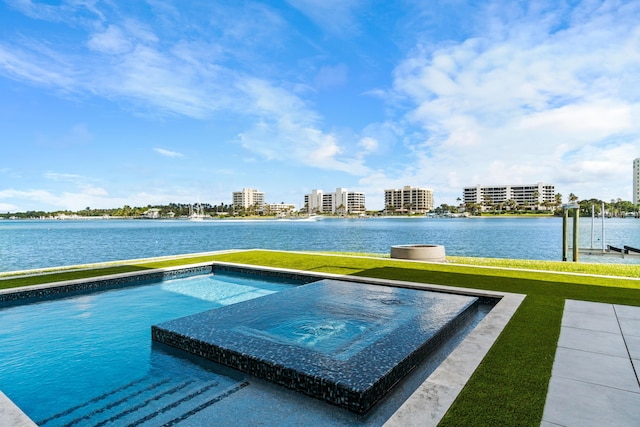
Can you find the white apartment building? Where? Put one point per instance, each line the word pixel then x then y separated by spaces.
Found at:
pixel 314 201
pixel 525 196
pixel 340 202
pixel 636 181
pixel 408 200
pixel 355 202
pixel 248 197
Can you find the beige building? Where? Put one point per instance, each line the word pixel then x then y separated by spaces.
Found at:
pixel 408 200
pixel 531 197
pixel 248 197
pixel 341 202
pixel 279 208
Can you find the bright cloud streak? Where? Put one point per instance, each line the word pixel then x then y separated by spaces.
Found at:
pixel 167 153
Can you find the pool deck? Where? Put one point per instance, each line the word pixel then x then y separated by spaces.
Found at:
pixel 594 381
pixel 11 415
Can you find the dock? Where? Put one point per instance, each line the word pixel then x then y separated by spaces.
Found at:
pixel 612 251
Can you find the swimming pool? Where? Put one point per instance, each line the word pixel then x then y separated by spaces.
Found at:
pixel 88 359
pixel 57 353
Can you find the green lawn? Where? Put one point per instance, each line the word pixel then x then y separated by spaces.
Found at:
pixel 509 387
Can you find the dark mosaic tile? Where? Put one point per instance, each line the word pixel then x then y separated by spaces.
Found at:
pixel 343 342
pixel 266 274
pixel 21 296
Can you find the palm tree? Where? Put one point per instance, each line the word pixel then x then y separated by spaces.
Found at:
pixel 536 197
pixel 558 200
pixel 487 201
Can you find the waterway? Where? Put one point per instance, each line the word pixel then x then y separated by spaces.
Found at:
pixel 29 244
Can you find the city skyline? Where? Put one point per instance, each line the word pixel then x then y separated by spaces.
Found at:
pixel 106 104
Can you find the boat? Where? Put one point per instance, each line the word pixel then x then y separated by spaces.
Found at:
pixel 197 213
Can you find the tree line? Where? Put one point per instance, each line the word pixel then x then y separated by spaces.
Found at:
pixel 613 208
pixel 171 210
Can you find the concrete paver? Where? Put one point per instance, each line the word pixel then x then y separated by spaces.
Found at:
pixel 592 322
pixel 577 403
pixel 595 368
pixel 593 341
pixel 594 380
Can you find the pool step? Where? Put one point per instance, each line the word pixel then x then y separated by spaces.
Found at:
pixel 133 387
pixel 148 401
pixel 189 405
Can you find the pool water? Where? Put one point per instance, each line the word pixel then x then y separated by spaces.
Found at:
pixel 88 359
pixel 58 354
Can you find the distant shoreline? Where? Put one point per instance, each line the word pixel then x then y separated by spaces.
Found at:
pixel 262 218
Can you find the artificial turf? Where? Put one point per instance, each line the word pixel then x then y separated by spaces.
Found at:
pixel 510 385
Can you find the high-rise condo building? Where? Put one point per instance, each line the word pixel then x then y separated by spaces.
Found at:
pixel 534 196
pixel 636 181
pixel 340 202
pixel 247 198
pixel 408 200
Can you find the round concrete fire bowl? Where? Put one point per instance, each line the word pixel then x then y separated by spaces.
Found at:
pixel 432 253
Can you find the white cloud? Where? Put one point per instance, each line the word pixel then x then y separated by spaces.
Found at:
pixel 524 92
pixel 523 103
pixel 37 65
pixel 368 144
pixel 85 196
pixel 289 131
pixel 110 41
pixel 127 62
pixel 293 142
pixel 67 11
pixel 30 198
pixel 64 177
pixel 167 153
pixel 7 207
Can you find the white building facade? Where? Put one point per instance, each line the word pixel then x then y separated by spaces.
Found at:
pixel 636 181
pixel 247 198
pixel 534 196
pixel 408 200
pixel 355 202
pixel 314 201
pixel 340 202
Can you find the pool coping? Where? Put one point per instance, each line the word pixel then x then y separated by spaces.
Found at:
pixel 426 405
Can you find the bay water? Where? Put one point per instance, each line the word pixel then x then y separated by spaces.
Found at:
pixel 30 244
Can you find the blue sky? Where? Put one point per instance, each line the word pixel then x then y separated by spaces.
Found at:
pixel 107 103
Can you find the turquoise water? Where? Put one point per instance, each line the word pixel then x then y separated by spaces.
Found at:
pixel 38 244
pixel 56 354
